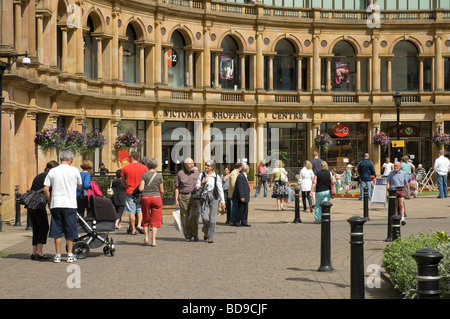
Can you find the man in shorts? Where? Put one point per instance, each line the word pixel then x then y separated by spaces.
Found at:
pixel 131 178
pixel 63 181
pixel 398 179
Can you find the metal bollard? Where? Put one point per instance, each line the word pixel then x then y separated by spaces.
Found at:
pixel 396 219
pixel 427 277
pixel 391 212
pixel 29 223
pixel 366 203
pixel 356 257
pixel 325 242
pixel 297 206
pixel 17 217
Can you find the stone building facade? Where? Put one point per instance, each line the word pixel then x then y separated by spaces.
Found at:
pixel 153 66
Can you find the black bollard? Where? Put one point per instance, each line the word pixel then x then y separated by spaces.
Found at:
pixel 396 219
pixel 356 257
pixel 17 218
pixel 366 203
pixel 29 223
pixel 427 277
pixel 325 242
pixel 391 212
pixel 297 206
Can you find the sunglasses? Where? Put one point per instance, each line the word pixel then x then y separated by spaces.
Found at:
pixel 207 165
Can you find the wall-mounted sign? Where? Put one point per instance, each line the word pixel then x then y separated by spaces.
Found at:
pixel 181 114
pixel 405 130
pixel 398 143
pixel 172 58
pixel 341 130
pixel 287 116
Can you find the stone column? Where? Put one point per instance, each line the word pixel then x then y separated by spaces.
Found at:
pixel 157 141
pixel 438 70
pixel 270 73
pixel 40 37
pixel 259 61
pixel 116 53
pixel 64 52
pixel 18 26
pixel 99 58
pixel 166 66
pixel 358 75
pixel 141 64
pixel 216 70
pixel 207 57
pixel 375 64
pixel 328 74
pixel 299 74
pixel 420 74
pixel 316 63
pixel 242 72
pixel 389 74
pixel 120 61
pixel 191 68
pixel 157 48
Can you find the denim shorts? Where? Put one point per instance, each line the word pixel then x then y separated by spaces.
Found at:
pixel 64 220
pixel 130 206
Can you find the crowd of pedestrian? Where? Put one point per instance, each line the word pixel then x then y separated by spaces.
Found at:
pixel 204 194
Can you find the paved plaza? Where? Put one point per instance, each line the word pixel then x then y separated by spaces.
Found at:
pixel 273 259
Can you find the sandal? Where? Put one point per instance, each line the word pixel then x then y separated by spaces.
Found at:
pixel 140 230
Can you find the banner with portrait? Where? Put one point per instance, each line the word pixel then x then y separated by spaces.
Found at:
pixel 342 72
pixel 226 67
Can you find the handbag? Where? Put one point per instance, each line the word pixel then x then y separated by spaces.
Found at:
pixel 333 186
pixel 84 191
pixel 201 193
pixel 283 176
pixel 38 201
pixel 110 191
pixel 26 198
pixel 137 195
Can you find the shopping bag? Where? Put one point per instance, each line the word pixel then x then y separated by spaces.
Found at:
pixel 177 221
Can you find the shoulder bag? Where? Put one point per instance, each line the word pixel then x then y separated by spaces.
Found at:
pixel 137 195
pixel 110 191
pixel 201 193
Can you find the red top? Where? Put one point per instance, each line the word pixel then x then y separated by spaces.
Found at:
pixel 132 173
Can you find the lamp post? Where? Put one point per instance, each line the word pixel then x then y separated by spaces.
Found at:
pixel 398 103
pixel 7 66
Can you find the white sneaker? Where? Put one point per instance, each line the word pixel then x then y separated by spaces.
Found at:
pixel 403 221
pixel 71 258
pixel 57 259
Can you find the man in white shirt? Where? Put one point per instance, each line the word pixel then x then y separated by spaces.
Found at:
pixel 63 182
pixel 387 166
pixel 441 167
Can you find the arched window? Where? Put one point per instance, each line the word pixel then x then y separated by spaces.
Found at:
pixel 130 58
pixel 90 52
pixel 177 62
pixel 284 67
pixel 343 68
pixel 405 67
pixel 229 66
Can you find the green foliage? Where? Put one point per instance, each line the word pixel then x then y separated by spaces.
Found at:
pixel 398 262
pixel 251 174
pixel 103 182
pixel 169 185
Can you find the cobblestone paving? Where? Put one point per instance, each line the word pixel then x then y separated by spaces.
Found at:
pixel 273 259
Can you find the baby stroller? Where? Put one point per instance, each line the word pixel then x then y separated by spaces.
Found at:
pixel 96 228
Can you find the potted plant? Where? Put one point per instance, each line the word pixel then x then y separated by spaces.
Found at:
pixel 380 139
pixel 323 141
pixel 59 139
pixel 94 140
pixel 251 177
pixel 441 139
pixel 126 140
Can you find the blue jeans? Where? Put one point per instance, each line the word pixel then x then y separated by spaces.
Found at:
pixel 258 188
pixel 234 208
pixel 442 185
pixel 324 196
pixel 369 186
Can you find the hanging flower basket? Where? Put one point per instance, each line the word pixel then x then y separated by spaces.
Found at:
pixel 441 139
pixel 323 141
pixel 380 139
pixel 126 140
pixel 59 139
pixel 48 139
pixel 94 140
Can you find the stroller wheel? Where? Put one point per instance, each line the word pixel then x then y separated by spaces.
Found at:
pixel 81 249
pixel 109 248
